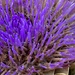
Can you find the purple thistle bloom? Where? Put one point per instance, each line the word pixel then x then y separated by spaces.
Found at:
pixel 36 35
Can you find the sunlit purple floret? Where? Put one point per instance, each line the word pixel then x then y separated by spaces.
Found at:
pixel 36 35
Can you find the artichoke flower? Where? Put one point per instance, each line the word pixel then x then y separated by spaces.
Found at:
pixel 36 36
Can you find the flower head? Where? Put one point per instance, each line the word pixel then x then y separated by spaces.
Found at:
pixel 36 35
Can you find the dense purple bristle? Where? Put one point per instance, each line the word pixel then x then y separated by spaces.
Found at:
pixel 36 35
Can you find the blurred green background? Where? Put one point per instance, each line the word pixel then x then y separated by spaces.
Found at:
pixel 72 72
